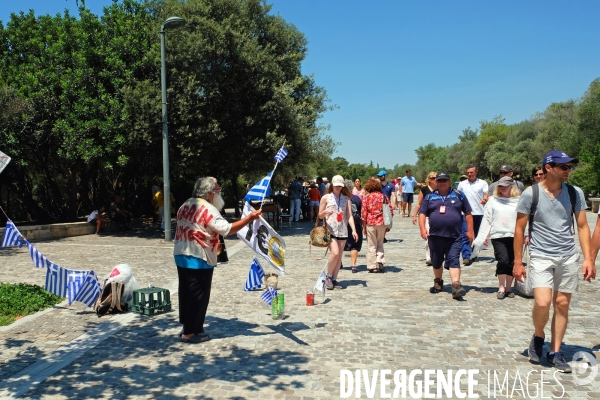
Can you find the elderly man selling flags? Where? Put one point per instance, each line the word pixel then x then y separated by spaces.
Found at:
pixel 199 224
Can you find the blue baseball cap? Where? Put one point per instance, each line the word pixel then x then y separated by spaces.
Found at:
pixel 382 172
pixel 557 157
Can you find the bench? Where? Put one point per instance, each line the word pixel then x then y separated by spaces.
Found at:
pixel 595 204
pixel 269 210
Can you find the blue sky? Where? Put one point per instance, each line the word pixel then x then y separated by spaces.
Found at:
pixel 408 73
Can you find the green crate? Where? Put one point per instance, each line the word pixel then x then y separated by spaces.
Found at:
pixel 150 301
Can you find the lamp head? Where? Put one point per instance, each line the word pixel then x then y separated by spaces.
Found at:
pixel 173 23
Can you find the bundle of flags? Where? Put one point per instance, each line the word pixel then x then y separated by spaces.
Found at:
pixel 82 286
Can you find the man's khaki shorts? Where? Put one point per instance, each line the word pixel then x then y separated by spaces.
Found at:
pixel 557 273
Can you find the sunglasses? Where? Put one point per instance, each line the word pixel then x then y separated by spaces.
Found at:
pixel 539 174
pixel 431 177
pixel 565 167
pixel 503 173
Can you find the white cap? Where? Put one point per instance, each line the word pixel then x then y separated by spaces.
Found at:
pixel 337 181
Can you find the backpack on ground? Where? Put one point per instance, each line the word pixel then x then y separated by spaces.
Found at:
pixel 536 197
pixel 110 300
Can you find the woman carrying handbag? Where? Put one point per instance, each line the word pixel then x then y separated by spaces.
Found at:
pixel 336 210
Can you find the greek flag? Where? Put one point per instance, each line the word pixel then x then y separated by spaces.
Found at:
pixel 268 295
pixel 90 290
pixel 56 280
pixel 4 160
pixel 38 258
pixel 255 276
pixel 320 285
pixel 261 190
pixel 281 154
pixel 12 236
pixel 75 281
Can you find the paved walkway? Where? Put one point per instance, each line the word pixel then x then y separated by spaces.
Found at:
pixel 376 321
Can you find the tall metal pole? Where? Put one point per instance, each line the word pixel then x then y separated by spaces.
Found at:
pixel 165 135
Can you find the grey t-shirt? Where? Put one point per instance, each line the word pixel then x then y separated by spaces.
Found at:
pixel 551 234
pixel 493 185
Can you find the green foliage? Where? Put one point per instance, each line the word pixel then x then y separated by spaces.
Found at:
pixel 18 300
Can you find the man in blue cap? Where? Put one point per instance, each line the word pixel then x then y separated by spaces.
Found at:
pixel 388 189
pixel 553 256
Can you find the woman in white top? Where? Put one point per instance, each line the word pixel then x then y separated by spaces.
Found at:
pixel 336 209
pixel 501 214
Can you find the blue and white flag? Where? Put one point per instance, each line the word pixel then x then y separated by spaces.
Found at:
pixel 268 295
pixel 75 281
pixel 281 154
pixel 255 276
pixel 56 280
pixel 261 190
pixel 38 258
pixel 4 160
pixel 12 236
pixel 90 290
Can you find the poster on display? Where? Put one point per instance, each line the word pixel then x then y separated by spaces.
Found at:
pixel 263 239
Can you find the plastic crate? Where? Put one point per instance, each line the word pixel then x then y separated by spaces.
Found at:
pixel 150 301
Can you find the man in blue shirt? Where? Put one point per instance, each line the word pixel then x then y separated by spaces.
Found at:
pixel 444 207
pixel 408 190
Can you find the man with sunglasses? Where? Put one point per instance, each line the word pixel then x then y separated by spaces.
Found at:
pixel 505 170
pixel 553 254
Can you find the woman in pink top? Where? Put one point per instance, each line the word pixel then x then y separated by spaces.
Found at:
pixel 357 190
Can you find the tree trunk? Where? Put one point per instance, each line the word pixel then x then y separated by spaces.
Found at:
pixel 234 189
pixel 73 193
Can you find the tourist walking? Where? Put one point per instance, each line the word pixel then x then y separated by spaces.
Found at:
pixel 500 217
pixel 357 189
pixel 373 202
pixel 408 183
pixel 476 192
pixel 199 224
pixel 314 197
pixel 537 175
pixel 553 255
pixel 354 246
pixel 295 192
pixel 430 186
pixel 505 170
pixel 336 209
pixel 444 207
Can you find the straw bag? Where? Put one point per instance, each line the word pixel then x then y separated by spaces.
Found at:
pixel 319 237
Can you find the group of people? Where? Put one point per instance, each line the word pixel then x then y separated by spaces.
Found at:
pixel 508 216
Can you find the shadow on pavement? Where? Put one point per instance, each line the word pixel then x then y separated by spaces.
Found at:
pixel 146 359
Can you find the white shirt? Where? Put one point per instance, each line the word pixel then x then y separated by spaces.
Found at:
pixel 474 192
pixel 93 216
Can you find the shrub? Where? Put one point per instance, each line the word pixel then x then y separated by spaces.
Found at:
pixel 20 299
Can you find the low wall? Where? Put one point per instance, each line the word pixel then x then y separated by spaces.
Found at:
pixel 36 232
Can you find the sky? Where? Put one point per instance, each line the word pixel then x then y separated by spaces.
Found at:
pixel 403 74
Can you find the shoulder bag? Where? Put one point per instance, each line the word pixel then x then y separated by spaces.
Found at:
pixel 387 213
pixel 319 237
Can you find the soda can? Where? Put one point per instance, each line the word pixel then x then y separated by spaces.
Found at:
pixel 310 298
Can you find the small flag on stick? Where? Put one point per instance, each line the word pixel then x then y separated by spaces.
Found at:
pixel 269 295
pixel 255 276
pixel 281 154
pixel 261 190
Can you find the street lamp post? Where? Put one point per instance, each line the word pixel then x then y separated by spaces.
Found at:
pixel 171 23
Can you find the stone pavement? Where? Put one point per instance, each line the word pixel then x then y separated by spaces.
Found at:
pixel 376 321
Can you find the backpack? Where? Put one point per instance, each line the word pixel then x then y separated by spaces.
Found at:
pixel 110 299
pixel 536 197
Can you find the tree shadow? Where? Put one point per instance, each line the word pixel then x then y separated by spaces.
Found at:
pixel 146 359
